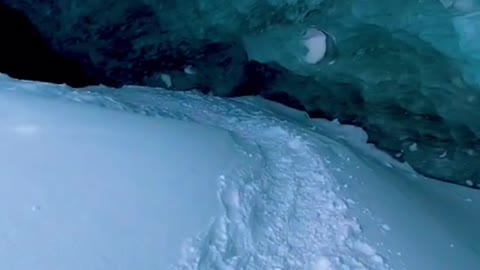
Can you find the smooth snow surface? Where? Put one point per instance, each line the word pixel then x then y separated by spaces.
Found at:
pixel 86 188
pixel 233 183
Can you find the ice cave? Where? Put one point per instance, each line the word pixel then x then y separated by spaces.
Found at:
pixel 240 135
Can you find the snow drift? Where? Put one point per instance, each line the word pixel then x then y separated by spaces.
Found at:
pixel 144 178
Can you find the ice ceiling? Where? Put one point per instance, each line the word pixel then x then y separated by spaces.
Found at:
pixel 406 71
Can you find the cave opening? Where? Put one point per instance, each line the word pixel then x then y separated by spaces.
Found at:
pixel 24 54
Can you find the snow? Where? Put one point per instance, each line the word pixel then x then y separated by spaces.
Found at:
pixel 97 179
pixel 386 227
pixel 323 264
pixel 85 188
pixel 427 216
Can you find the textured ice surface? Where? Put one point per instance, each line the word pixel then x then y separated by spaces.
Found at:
pixel 299 194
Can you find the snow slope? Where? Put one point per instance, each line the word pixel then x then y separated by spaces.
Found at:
pixel 87 188
pixel 255 186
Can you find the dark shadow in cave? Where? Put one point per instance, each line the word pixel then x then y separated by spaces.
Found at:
pixel 25 55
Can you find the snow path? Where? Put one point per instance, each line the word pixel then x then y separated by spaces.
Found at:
pixel 285 210
pixel 281 209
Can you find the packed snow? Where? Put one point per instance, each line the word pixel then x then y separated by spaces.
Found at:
pixel 143 178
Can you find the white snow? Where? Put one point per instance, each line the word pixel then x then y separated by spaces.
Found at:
pixel 365 248
pixel 323 263
pixel 160 177
pixel 316 43
pixel 386 227
pixel 87 188
pixel 427 215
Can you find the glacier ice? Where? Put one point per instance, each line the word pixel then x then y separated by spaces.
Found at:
pixel 93 173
